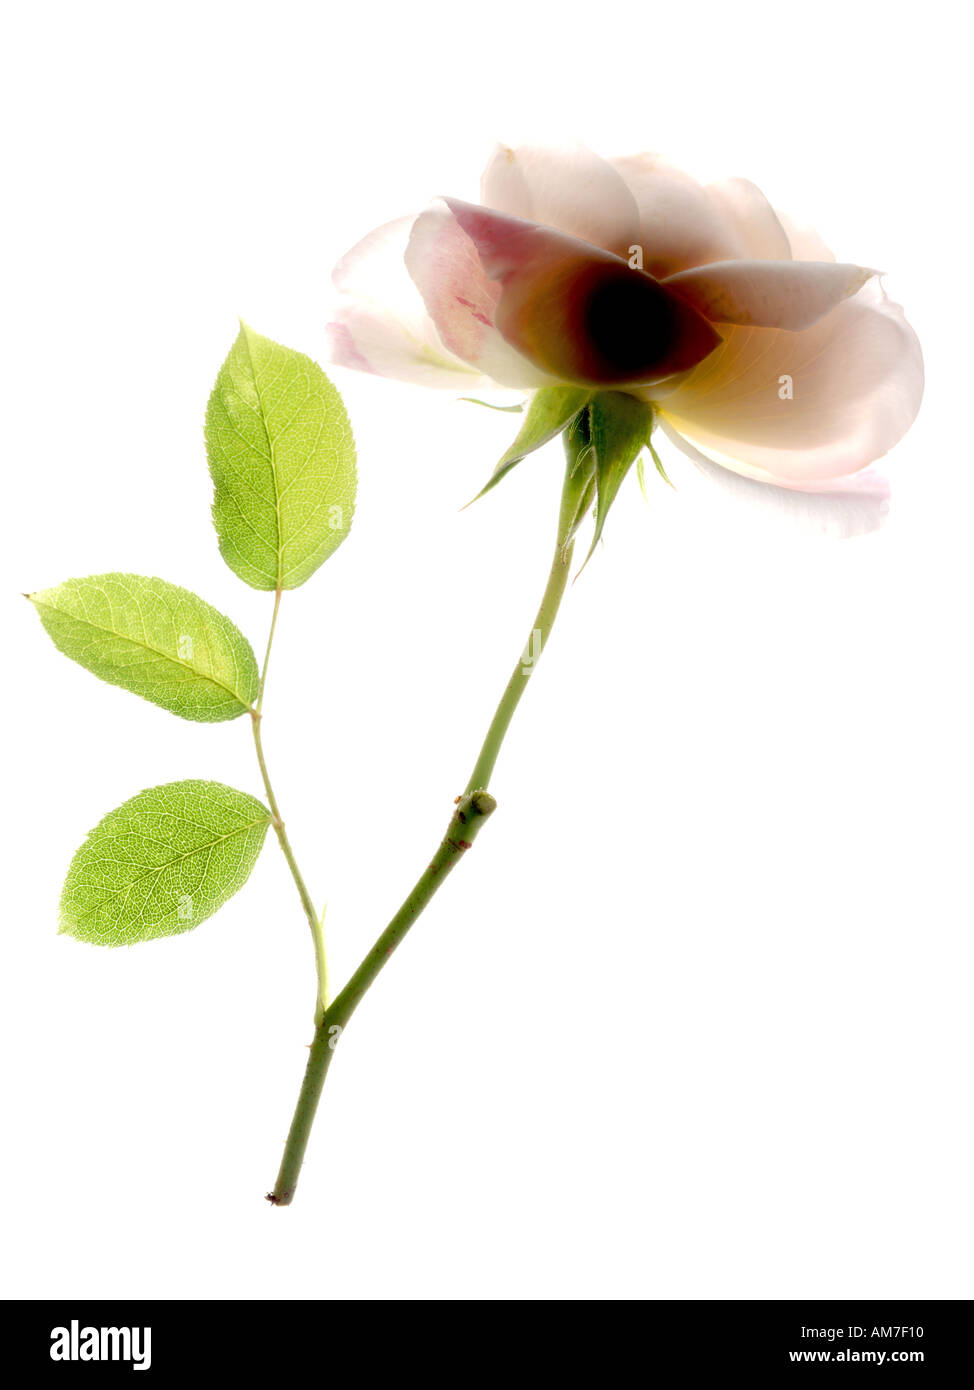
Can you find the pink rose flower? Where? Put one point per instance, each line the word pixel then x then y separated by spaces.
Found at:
pixel 781 372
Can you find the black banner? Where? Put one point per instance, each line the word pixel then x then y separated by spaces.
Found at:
pixel 56 1342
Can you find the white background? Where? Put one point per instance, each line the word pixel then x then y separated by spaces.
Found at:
pixel 693 1020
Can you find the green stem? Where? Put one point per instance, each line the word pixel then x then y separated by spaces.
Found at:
pixel 535 645
pixel 469 816
pixel 317 932
pixel 472 809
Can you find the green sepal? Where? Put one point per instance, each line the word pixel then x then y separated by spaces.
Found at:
pixel 658 464
pixel 579 492
pixel 641 470
pixel 641 477
pixel 551 410
pixel 490 405
pixel 619 427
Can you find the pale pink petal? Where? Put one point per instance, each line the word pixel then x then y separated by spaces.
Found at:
pixel 366 339
pixel 855 381
pixel 805 242
pixel 578 312
pixel 507 246
pixel 461 300
pixel 768 294
pixel 379 322
pixel 753 220
pixel 681 225
pixel 570 189
pixel 373 268
pixel 842 508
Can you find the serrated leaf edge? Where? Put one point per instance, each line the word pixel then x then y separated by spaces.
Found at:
pixel 64 929
pixel 146 646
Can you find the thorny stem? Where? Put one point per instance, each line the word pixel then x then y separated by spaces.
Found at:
pixel 314 921
pixel 472 809
pixel 535 645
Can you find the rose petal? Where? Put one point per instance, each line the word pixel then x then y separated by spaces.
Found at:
pixel 753 220
pixel 681 225
pixel 768 294
pixel 856 379
pixel 805 242
pixel 848 507
pixel 577 312
pixel 380 324
pixel 570 189
pixel 461 299
pixel 373 268
pixel 366 340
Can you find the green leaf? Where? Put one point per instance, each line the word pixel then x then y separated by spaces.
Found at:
pixel 155 639
pixel 620 425
pixel 551 410
pixel 162 863
pixel 282 459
